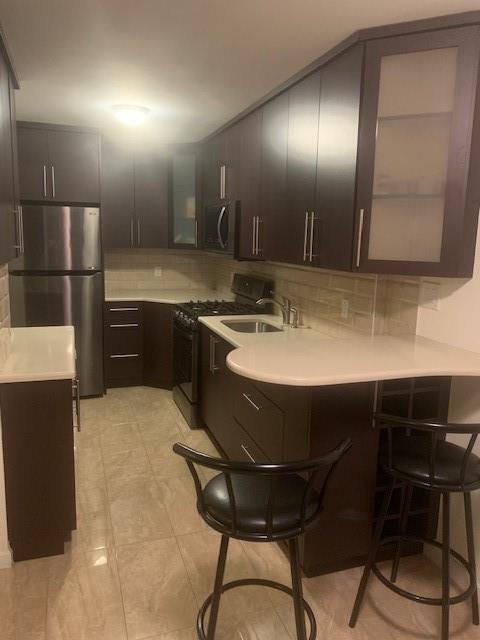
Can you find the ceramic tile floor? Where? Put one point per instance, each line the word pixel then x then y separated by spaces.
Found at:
pixel 142 560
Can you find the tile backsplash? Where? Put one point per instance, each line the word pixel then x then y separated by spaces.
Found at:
pixel 338 303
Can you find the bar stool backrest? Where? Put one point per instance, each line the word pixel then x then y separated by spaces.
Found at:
pixel 433 431
pixel 316 472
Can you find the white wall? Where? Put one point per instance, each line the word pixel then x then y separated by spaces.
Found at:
pixel 456 321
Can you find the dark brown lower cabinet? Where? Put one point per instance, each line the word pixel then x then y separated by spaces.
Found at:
pixel 37 431
pixel 138 344
pixel 266 422
pixel 158 345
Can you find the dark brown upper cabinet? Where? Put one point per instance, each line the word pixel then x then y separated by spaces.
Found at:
pixel 58 164
pixel 10 220
pixel 330 227
pixel 291 228
pixel 273 185
pixel 250 230
pixel 134 198
pixel 418 189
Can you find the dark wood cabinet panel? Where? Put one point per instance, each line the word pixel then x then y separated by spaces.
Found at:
pixel 333 219
pixel 250 230
pixel 58 165
pixel 273 186
pixel 37 430
pixel 158 345
pixel 117 199
pixel 415 154
pixel 123 343
pixel 304 101
pixel 33 163
pixel 74 166
pixel 7 177
pixel 151 201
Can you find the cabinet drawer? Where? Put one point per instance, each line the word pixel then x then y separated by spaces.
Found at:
pixel 260 418
pixel 121 313
pixel 123 367
pixel 123 338
pixel 238 445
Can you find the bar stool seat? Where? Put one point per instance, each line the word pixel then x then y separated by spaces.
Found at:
pixel 418 455
pixel 251 502
pixel 261 503
pixel 411 458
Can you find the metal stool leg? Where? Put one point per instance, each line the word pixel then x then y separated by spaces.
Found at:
pixel 297 589
pixel 445 566
pixel 471 552
pixel 217 590
pixel 406 502
pixel 372 554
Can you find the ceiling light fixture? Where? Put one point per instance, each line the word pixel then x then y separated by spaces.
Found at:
pixel 130 113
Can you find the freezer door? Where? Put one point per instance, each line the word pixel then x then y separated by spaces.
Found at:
pixel 39 300
pixel 58 238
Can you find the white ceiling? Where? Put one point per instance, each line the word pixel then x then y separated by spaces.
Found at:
pixel 194 63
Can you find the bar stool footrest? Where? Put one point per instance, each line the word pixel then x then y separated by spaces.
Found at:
pixel 202 635
pixel 414 596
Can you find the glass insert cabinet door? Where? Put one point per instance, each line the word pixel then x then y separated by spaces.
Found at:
pixel 183 200
pixel 415 138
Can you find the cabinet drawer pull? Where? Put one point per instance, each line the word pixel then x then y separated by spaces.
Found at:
pixel 121 326
pixel 123 309
pixel 44 181
pixel 312 231
pixel 247 452
pixel 360 234
pixel 258 250
pixel 125 355
pixel 249 399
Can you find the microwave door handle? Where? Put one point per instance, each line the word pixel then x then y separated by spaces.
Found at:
pixel 219 224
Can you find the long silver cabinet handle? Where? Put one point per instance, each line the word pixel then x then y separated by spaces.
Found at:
pixel 253 234
pixel 113 309
pixel 305 237
pixel 247 452
pixel 76 389
pixel 254 404
pixel 44 181
pixel 19 229
pixel 359 239
pixel 53 180
pixel 213 366
pixel 258 250
pixel 138 232
pixel 22 238
pixel 119 326
pixel 125 355
pixel 312 221
pixel 222 181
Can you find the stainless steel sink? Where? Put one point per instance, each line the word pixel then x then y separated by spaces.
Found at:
pixel 250 326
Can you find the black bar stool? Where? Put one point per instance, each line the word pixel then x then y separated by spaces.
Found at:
pixel 417 455
pixel 261 503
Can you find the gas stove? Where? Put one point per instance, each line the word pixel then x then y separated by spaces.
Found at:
pixel 187 313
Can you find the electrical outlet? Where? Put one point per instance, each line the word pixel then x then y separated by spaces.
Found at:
pixel 157 272
pixel 344 309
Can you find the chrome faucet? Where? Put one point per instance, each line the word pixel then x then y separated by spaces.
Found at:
pixel 285 308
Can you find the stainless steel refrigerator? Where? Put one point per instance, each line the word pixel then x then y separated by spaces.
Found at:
pixel 59 281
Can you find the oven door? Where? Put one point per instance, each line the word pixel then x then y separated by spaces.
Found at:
pixel 219 227
pixel 185 359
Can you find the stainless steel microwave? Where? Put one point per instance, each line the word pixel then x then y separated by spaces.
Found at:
pixel 219 220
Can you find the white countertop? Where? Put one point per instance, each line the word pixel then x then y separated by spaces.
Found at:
pixel 303 357
pixel 32 354
pixel 165 296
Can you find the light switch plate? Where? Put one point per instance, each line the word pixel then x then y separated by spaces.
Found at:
pixel 344 309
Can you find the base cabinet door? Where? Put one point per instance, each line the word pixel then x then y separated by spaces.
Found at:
pixel 158 345
pixel 37 432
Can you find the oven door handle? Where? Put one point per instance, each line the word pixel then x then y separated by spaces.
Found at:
pixel 219 224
